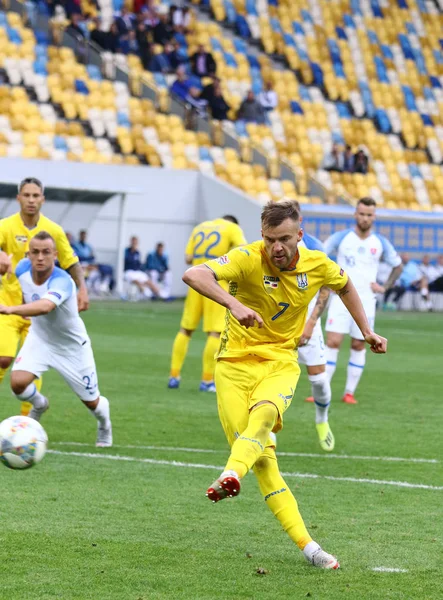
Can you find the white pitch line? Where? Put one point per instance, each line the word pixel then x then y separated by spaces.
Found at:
pixel 293 454
pixel 174 463
pixel 389 570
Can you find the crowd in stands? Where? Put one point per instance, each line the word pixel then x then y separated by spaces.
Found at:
pixel 423 277
pixel 344 160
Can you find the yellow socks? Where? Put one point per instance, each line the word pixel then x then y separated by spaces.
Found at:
pixel 2 374
pixel 251 444
pixel 280 499
pixel 179 351
pixel 211 348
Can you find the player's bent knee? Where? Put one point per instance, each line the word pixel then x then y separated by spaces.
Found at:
pixel 5 362
pixel 268 414
pixel 20 381
pixel 187 332
pixel 316 370
pixel 91 404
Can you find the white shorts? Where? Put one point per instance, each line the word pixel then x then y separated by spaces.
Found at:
pixel 78 370
pixel 136 276
pixel 340 320
pixel 313 353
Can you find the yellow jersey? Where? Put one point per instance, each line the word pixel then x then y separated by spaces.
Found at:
pixel 212 239
pixel 14 239
pixel 281 297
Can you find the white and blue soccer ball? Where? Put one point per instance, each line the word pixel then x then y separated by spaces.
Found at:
pixel 23 442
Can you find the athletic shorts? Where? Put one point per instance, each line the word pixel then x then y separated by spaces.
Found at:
pixel 135 276
pixel 241 384
pixel 199 307
pixel 313 353
pixel 340 320
pixel 78 370
pixel 13 332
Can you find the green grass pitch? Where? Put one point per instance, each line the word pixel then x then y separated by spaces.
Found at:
pixel 138 526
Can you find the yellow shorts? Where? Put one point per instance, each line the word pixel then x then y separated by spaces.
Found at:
pixel 196 307
pixel 13 332
pixel 241 384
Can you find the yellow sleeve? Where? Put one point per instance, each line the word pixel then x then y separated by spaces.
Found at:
pixel 189 250
pixel 66 255
pixel 2 238
pixel 233 266
pixel 238 237
pixel 335 277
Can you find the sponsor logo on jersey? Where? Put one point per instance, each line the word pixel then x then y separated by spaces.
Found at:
pixel 223 260
pixel 35 297
pixel 361 250
pixel 56 294
pixel 270 282
pixel 21 238
pixel 302 280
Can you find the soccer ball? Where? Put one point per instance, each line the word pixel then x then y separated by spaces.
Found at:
pixel 22 442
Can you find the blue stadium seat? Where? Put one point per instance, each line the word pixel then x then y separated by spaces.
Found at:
pixel 427 120
pixel 240 46
pixel 382 121
pixel 317 71
pixel 94 72
pixel 343 111
pixel 348 20
pixel 341 33
pixel 251 8
pixel 204 153
pixel 81 87
pixel 409 98
pixel 376 9
pixel 60 143
pixel 40 66
pixel 216 45
pixel 240 128
pixel 257 86
pixel 253 61
pixel 356 8
pixel 231 13
pixel 3 20
pixel 296 108
pixel 414 170
pixel 123 119
pixel 41 37
pixel 289 40
pixel 230 60
pixel 304 93
pixel 14 36
pixel 307 17
pixel 387 52
pixel 298 28
pixel 382 72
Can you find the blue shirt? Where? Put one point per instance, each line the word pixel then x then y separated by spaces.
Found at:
pixel 132 260
pixel 157 262
pixel 84 252
pixel 410 273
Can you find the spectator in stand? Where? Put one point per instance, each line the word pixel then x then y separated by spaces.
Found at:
pixel 180 19
pixel 348 160
pixel 129 44
pixel 157 266
pixel 217 104
pixel 149 13
pixel 99 277
pixel 161 63
pixel 193 98
pixel 268 98
pixel 74 28
pixel 437 284
pixel 334 160
pixel 208 90
pixel 126 21
pixel 176 58
pixel 181 85
pixel 134 273
pixel 361 162
pixel 410 278
pixel 163 32
pixel 250 110
pixel 202 62
pixel 145 47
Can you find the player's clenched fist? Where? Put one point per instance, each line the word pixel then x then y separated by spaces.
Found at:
pixel 378 344
pixel 5 263
pixel 246 316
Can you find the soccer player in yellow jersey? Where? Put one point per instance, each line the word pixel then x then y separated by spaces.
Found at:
pixel 210 239
pixel 15 233
pixel 271 283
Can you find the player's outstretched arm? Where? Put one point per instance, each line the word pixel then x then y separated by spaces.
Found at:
pixel 203 281
pixel 76 272
pixel 33 309
pixel 319 308
pixel 350 298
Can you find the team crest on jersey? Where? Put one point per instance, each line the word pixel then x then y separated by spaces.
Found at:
pixel 270 282
pixel 21 238
pixel 223 260
pixel 35 297
pixel 302 280
pixel 373 251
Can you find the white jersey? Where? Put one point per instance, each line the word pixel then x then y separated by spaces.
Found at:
pixel 311 243
pixel 62 329
pixel 361 257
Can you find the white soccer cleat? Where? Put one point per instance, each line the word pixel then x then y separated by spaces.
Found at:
pixel 323 560
pixel 36 413
pixel 104 436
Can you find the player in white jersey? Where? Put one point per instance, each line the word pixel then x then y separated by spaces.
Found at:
pixel 311 353
pixel 359 251
pixel 57 338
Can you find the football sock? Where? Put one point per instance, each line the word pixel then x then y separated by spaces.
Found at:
pixel 26 407
pixel 331 361
pixel 280 499
pixel 32 395
pixel 321 390
pixel 211 347
pixel 251 443
pixel 179 351
pixel 2 374
pixel 356 365
pixel 102 412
